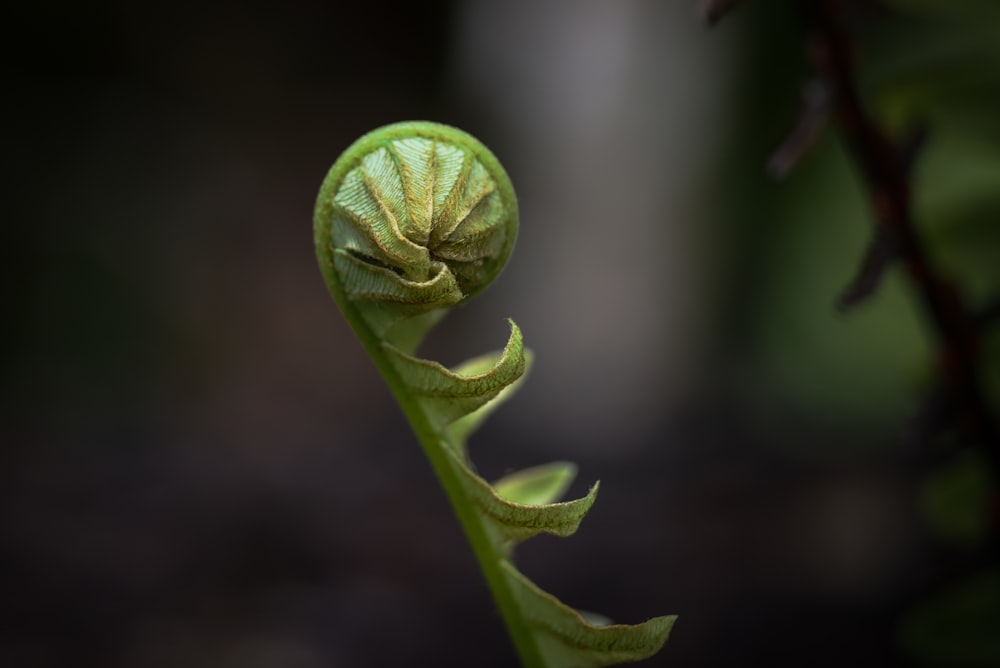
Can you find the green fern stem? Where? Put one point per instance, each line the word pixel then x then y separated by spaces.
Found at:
pixel 413 219
pixel 472 524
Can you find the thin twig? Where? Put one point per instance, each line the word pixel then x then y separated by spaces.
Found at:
pixel 817 99
pixel 880 254
pixel 884 166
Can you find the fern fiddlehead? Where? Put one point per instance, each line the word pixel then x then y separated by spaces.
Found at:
pixel 412 219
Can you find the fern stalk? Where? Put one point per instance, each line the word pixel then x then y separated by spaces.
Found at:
pixel 413 219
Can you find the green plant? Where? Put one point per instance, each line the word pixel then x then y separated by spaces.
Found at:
pixel 412 219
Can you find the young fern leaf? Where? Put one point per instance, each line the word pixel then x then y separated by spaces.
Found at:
pixel 412 219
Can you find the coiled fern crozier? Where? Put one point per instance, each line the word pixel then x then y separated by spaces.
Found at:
pixel 413 219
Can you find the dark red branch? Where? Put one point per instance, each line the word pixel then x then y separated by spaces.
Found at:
pixel 884 167
pixel 880 254
pixel 816 101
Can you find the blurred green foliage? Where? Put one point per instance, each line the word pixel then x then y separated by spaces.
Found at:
pixel 925 64
pixel 958 628
pixel 956 501
pixel 861 366
pixel 925 67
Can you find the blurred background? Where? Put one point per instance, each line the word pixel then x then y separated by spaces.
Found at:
pixel 201 468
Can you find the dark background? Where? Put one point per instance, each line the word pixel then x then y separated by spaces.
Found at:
pixel 201 468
